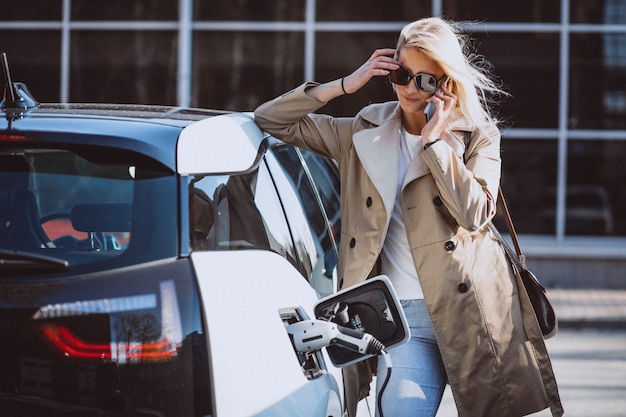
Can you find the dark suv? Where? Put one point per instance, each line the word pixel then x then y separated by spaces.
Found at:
pixel 150 258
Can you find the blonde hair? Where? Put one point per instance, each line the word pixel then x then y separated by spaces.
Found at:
pixel 447 45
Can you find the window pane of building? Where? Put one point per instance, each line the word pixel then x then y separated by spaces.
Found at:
pixel 240 70
pixel 598 81
pixel 338 54
pixel 40 67
pixel 259 10
pixel 529 168
pixel 31 10
pixel 372 10
pixel 125 10
pixel 124 67
pixel 527 64
pixel 596 197
pixel 598 11
pixel 502 10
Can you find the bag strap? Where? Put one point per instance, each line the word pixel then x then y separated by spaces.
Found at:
pixel 516 257
pixel 521 258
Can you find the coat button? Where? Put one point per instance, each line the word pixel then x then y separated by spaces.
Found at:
pixel 449 245
pixel 463 287
pixel 437 201
pixel 352 242
pixel 368 202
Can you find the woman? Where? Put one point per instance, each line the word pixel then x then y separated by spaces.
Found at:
pixel 416 201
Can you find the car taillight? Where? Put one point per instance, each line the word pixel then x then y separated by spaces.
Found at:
pixel 131 323
pixel 72 346
pixel 8 137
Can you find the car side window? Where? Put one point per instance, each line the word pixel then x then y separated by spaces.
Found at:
pixel 234 212
pixel 322 256
pixel 273 208
pixel 326 180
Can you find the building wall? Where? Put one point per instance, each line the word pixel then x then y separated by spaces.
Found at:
pixel 564 63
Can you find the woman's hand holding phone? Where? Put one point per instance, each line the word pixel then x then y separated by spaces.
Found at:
pixel 436 122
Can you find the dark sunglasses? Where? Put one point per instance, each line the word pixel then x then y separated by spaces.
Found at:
pixel 427 83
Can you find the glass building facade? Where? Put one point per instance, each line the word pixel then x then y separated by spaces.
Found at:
pixel 564 63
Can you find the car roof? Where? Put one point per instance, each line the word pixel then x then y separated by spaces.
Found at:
pixel 186 140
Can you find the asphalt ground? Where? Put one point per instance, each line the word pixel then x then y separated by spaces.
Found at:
pixel 591 321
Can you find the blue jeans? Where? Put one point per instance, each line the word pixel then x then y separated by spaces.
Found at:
pixel 418 378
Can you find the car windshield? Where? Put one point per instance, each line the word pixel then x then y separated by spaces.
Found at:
pixel 83 208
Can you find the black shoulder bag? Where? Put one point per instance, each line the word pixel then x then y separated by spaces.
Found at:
pixel 536 292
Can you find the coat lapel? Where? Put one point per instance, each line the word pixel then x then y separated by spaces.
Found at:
pixel 378 150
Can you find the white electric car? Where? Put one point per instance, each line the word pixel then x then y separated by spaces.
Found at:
pixel 161 261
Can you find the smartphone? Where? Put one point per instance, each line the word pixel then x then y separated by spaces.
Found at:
pixel 429 111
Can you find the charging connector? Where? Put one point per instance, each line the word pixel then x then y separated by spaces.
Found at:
pixel 310 335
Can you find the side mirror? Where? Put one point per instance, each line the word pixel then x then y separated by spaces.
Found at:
pixel 371 307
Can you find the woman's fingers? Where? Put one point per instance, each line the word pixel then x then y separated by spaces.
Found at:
pixel 444 102
pixel 382 61
pixel 385 52
pixel 379 64
pixel 447 98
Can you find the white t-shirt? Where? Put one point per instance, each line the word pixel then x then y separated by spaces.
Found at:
pixel 397 262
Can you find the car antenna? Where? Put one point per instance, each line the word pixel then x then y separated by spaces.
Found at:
pixel 19 98
pixel 7 79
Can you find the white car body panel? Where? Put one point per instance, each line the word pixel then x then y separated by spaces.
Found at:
pixel 202 148
pixel 253 371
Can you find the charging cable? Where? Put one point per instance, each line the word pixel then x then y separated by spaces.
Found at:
pixel 379 399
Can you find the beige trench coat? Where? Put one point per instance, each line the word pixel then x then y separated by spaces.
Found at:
pixel 492 348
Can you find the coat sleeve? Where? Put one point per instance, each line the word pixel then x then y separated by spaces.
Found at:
pixel 468 189
pixel 290 118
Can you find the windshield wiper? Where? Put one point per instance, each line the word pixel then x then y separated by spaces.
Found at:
pixel 28 261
